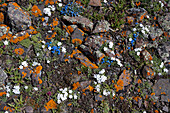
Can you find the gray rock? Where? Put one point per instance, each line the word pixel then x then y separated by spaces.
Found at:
pixel 43 110
pixel 84 23
pixel 155 32
pixel 101 26
pixel 3 76
pixel 164 22
pixel 126 77
pixel 99 97
pixel 164 51
pixel 162 88
pixel 29 109
pixel 165 108
pixel 148 73
pixel 19 18
pixel 4 29
pixel 77 36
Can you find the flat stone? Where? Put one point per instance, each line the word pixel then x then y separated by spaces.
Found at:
pixel 19 18
pixel 99 56
pixel 161 87
pixel 165 108
pixel 95 3
pixel 77 36
pixel 29 109
pixel 84 22
pixel 164 51
pixel 101 26
pixel 130 20
pixel 148 72
pixel 155 32
pixel 125 76
pixel 99 97
pixel 164 22
pixel 3 77
pixel 145 55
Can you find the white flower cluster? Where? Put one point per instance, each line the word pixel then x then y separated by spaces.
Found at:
pixel 161 3
pixel 117 60
pixel 138 50
pixel 162 65
pixel 16 90
pixel 110 45
pixel 144 29
pixel 7 90
pixel 100 77
pixel 64 94
pixel 35 63
pixel 23 64
pixel 105 92
pixel 48 10
pixel 5 42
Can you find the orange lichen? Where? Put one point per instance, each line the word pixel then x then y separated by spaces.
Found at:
pixel 152 94
pixel 66 60
pixel 38 69
pixel 123 33
pixel 90 88
pixel 136 98
pixel 79 72
pixel 39 80
pixel 19 51
pixel 43 19
pixel 76 85
pixel 55 22
pixel 156 111
pixel 154 18
pixel 92 110
pixel 77 40
pixel 51 105
pixel 2 93
pixel 139 81
pixel 163 93
pixel 24 74
pixel 36 11
pixel 142 16
pixel 52 36
pixel 121 98
pixel 51 2
pixel 1 17
pixel 119 85
pixel 137 4
pixel 33 30
pixel 70 29
pixel 69 104
pixel 8 108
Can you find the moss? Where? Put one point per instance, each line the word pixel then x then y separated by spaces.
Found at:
pixel 26 43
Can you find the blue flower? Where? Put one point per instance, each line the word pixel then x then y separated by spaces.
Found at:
pixel 128 47
pixel 136 23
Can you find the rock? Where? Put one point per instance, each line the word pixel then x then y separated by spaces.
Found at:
pixel 164 22
pixel 148 72
pixel 26 73
pixel 130 20
pixel 43 110
pixel 165 108
pixel 155 32
pixel 19 18
pixel 3 77
pixel 99 97
pixel 4 31
pixel 125 76
pixel 95 3
pixel 77 36
pixel 101 26
pixel 145 55
pixel 84 23
pixel 29 109
pixel 164 51
pixel 99 56
pixel 162 88
pixel 139 42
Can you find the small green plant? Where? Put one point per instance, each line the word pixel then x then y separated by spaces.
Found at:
pixel 26 43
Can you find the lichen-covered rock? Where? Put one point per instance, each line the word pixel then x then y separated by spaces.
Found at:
pixel 77 36
pixel 95 3
pixel 99 97
pixel 19 18
pixel 145 55
pixel 125 76
pixel 29 109
pixel 101 26
pixel 4 32
pixel 164 22
pixel 155 32
pixel 164 51
pixel 148 73
pixel 84 23
pixel 3 77
pixel 162 88
pixel 1 18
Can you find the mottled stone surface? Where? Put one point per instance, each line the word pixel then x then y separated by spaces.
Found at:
pixel 95 3
pixel 164 22
pixel 19 18
pixel 3 76
pixel 161 87
pixel 29 109
pixel 145 55
pixel 155 32
pixel 148 72
pixel 84 22
pixel 125 76
pixel 77 36
pixel 101 26
pixel 99 97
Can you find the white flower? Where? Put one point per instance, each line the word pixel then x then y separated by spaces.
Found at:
pixel 16 90
pixel 65 94
pixel 58 101
pixel 143 31
pixel 130 39
pixel 61 89
pixel 105 1
pixel 60 4
pixel 113 93
pixel 70 96
pixel 147 30
pixel 24 63
pixel 35 88
pixel 162 4
pixel 165 70
pixel 138 53
pixel 110 44
pixel 47 11
pixel 26 87
pixel 75 96
pixel 59 44
pixel 38 54
pixel 105 48
pixel 48 61
pixel 102 71
pixel 134 29
pixel 8 88
pixel 7 94
pixel 63 50
pixel 141 25
pixel 35 63
pixel 135 72
pixel 103 78
pixel 106 93
pixel 70 91
pixel 21 67
pixel 6 42
pixel 144 112
pixel 113 58
pixel 49 48
pixel 43 46
pixel 6 112
pixel 97 87
pixel 162 64
pixel 147 16
pixel 43 42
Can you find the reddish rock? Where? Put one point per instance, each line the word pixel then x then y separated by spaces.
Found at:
pixel 95 3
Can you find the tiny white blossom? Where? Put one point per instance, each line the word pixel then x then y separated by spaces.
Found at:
pixel 63 50
pixel 21 67
pixel 35 88
pixel 38 54
pixel 103 78
pixel 143 31
pixel 110 44
pixel 16 90
pixel 6 42
pixel 35 63
pixel 49 48
pixel 165 70
pixel 134 29
pixel 70 96
pixel 6 112
pixel 58 101
pixel 147 30
pixel 59 44
pixel 47 11
pixel 43 42
pixel 130 39
pixel 26 87
pixel 59 1
pixel 102 71
pixel 138 53
pixel 144 112
pixel 113 58
pixel 70 91
pixel 75 96
pixel 60 4
pixel 162 4
pixel 65 94
pixel 24 63
pixel 61 89
pixel 162 64
pixel 7 94
pixel 48 61
pixel 97 87
pixel 141 25
pixel 105 1
pixel 147 16
pixel 43 46
pixel 105 48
